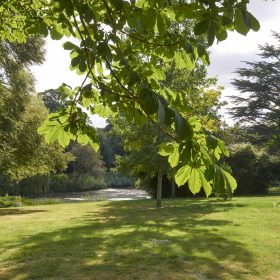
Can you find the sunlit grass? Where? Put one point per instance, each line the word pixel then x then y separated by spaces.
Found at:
pixel 187 239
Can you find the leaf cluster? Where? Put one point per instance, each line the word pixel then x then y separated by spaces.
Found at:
pixel 121 48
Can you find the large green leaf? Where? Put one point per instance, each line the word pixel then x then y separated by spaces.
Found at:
pixel 173 158
pixel 221 33
pixel 182 175
pixel 69 46
pixel 222 147
pixel 205 184
pixel 158 74
pixel 219 181
pixel 231 182
pixel 149 101
pixel 166 149
pixel 201 27
pixel 179 61
pixel 56 33
pixel 194 181
pixel 63 138
pixel 241 25
pixel 182 128
pixel 255 25
pixel 211 34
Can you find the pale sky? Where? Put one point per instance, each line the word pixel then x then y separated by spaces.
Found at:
pixel 225 57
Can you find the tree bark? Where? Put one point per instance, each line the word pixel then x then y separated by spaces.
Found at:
pixel 46 184
pixel 77 177
pixel 159 189
pixel 173 186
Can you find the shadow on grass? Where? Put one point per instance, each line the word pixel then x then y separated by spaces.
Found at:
pixel 17 211
pixel 133 240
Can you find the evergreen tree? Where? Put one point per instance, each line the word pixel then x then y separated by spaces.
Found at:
pixel 258 104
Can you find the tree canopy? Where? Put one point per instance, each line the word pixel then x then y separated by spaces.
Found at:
pixel 197 95
pixel 24 153
pixel 257 105
pixel 119 48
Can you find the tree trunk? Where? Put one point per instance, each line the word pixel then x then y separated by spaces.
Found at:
pixel 159 189
pixel 77 177
pixel 46 184
pixel 173 187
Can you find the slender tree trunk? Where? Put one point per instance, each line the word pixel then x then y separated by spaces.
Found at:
pixel 77 177
pixel 159 189
pixel 46 184
pixel 173 186
pixel 17 188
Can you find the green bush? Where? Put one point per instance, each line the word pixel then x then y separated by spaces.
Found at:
pixel 252 169
pixel 18 201
pixel 14 201
pixel 7 201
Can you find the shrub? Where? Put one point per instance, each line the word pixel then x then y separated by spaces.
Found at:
pixel 251 167
pixel 14 201
pixel 7 201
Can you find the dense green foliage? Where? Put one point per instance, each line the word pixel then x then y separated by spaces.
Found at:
pixel 251 167
pixel 251 162
pixel 110 146
pixel 18 201
pixel 86 161
pixel 141 143
pixel 53 99
pixel 12 201
pixel 121 47
pixel 23 152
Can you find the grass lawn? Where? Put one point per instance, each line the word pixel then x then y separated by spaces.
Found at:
pixel 187 239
